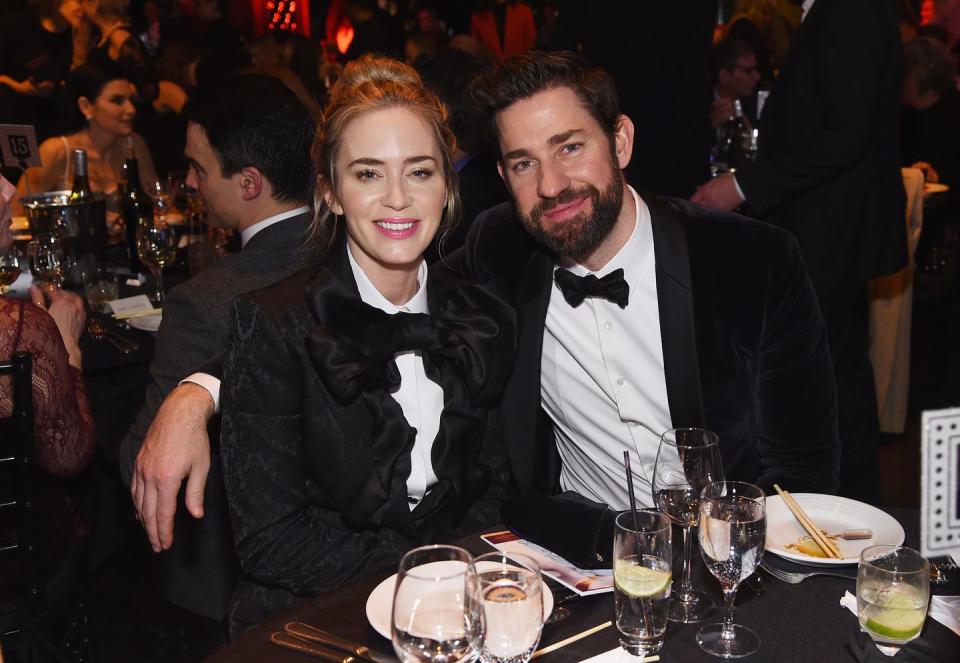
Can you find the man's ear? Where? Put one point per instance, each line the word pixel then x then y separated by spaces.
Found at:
pixel 503 176
pixel 251 183
pixel 623 140
pixel 328 196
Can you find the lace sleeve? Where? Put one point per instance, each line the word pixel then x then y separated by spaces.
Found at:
pixel 63 423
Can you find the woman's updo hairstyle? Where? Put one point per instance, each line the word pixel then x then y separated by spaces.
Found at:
pixel 370 84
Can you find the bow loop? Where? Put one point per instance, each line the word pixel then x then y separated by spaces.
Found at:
pixel 577 288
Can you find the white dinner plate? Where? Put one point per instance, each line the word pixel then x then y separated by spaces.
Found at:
pixel 833 514
pixel 150 323
pixel 380 601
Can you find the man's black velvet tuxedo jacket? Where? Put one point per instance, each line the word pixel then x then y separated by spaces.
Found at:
pixel 744 346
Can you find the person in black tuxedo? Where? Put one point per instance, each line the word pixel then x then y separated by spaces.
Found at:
pixel 828 170
pixel 640 314
pixel 356 393
pixel 252 171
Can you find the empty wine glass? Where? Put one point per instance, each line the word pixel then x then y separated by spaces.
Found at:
pixel 687 461
pixel 431 620
pixel 47 261
pixel 733 528
pixel 156 248
pixel 9 268
pixel 506 598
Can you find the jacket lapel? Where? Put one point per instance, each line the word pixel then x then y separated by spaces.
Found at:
pixel 677 324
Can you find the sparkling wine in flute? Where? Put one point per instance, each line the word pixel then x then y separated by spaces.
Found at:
pixel 681 505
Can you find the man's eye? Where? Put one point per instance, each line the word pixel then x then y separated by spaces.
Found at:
pixel 571 148
pixel 521 166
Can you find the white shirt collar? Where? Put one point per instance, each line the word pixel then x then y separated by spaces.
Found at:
pixel 370 295
pixel 247 233
pixel 807 4
pixel 632 256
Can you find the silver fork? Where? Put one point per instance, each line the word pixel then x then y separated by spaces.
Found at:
pixel 796 577
pixel 99 332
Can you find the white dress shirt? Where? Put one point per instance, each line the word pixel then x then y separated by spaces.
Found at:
pixel 807 4
pixel 602 378
pixel 420 398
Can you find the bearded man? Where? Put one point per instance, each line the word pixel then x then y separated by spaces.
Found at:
pixel 640 314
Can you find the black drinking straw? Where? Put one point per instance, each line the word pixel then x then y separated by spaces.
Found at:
pixel 633 498
pixel 645 605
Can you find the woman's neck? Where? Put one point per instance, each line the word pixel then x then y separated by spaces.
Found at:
pixel 397 285
pixel 100 141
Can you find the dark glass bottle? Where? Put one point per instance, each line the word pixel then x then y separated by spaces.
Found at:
pixel 136 205
pixel 80 191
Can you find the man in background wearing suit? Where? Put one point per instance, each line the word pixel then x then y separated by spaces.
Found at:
pixel 828 170
pixel 248 149
pixel 640 314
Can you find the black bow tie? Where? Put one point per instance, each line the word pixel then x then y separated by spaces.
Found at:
pixel 577 288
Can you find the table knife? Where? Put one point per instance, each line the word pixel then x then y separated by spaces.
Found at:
pixel 312 633
pixel 288 641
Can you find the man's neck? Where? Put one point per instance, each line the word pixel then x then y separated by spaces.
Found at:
pixel 264 212
pixel 616 238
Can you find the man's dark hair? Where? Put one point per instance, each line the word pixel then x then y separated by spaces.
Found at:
pixel 448 74
pixel 727 53
pixel 255 120
pixel 930 60
pixel 522 76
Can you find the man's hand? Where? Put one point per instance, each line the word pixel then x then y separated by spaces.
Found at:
pixel 930 174
pixel 176 447
pixel 719 193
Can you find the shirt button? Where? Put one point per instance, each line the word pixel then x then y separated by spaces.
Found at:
pixel 620 381
pixel 607 325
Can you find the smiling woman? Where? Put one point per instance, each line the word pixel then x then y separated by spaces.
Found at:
pixel 103 117
pixel 356 395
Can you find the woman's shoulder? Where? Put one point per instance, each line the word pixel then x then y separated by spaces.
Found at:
pixel 54 150
pixel 37 327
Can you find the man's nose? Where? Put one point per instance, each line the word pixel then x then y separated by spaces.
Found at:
pixel 552 181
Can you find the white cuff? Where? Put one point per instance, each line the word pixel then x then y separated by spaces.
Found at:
pixel 208 382
pixel 739 190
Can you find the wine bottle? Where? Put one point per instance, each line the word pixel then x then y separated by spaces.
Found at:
pixel 137 205
pixel 80 191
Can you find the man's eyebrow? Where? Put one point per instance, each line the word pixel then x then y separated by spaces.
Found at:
pixel 557 139
pixel 196 166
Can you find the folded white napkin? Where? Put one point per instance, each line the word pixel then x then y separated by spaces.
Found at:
pixel 618 655
pixel 131 304
pixel 944 609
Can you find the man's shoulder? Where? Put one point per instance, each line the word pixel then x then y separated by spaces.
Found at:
pixel 278 298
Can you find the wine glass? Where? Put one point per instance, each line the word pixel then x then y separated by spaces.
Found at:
pixel 505 597
pixel 161 200
pixel 9 268
pixel 733 527
pixel 157 248
pixel 47 261
pixel 688 459
pixel 431 620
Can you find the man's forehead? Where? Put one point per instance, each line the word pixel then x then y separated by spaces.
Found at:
pixel 542 116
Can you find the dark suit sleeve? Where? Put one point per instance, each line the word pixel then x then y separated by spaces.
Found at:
pixel 796 399
pixel 282 538
pixel 187 340
pixel 845 83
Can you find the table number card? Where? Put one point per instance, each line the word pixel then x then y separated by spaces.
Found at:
pixel 940 484
pixel 18 146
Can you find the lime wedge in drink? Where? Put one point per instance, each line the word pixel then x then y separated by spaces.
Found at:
pixel 898 618
pixel 639 581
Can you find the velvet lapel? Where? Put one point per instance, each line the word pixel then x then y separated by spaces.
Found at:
pixel 521 399
pixel 677 324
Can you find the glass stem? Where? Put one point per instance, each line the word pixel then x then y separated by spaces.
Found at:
pixel 728 595
pixel 158 274
pixel 685 584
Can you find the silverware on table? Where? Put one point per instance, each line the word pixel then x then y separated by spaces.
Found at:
pixel 796 577
pixel 100 333
pixel 288 641
pixel 313 634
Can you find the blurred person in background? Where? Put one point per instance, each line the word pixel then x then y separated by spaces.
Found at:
pixel 223 51
pixel 374 30
pixel 38 48
pixel 735 77
pixel 102 123
pixel 506 27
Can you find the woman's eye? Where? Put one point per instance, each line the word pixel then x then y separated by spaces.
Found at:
pixel 366 175
pixel 421 173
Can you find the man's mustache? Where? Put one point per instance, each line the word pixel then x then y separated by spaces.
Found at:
pixel 565 197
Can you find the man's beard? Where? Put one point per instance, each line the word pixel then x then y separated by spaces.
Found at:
pixel 580 235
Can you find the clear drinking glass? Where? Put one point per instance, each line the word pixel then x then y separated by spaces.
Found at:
pixel 157 248
pixel 688 460
pixel 431 620
pixel 642 560
pixel 161 200
pixel 506 598
pixel 9 268
pixel 733 527
pixel 47 260
pixel 893 590
pixel 100 286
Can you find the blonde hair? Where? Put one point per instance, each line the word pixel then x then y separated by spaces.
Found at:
pixel 367 85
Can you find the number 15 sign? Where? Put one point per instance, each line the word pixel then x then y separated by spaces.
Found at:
pixel 18 144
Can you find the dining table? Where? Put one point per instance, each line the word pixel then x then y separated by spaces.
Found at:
pixel 797 622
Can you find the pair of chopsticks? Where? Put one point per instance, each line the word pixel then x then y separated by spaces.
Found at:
pixel 826 545
pixel 580 636
pixel 137 314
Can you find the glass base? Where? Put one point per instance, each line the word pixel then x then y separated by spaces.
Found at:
pixel 690 607
pixel 743 642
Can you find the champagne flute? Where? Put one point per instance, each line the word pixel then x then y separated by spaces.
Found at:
pixel 156 248
pixel 47 261
pixel 733 528
pixel 432 621
pixel 505 596
pixel 688 459
pixel 9 268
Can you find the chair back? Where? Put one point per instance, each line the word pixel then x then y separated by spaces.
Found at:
pixel 18 524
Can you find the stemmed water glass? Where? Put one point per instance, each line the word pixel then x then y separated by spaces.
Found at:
pixel 432 621
pixel 156 248
pixel 688 459
pixel 506 600
pixel 733 528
